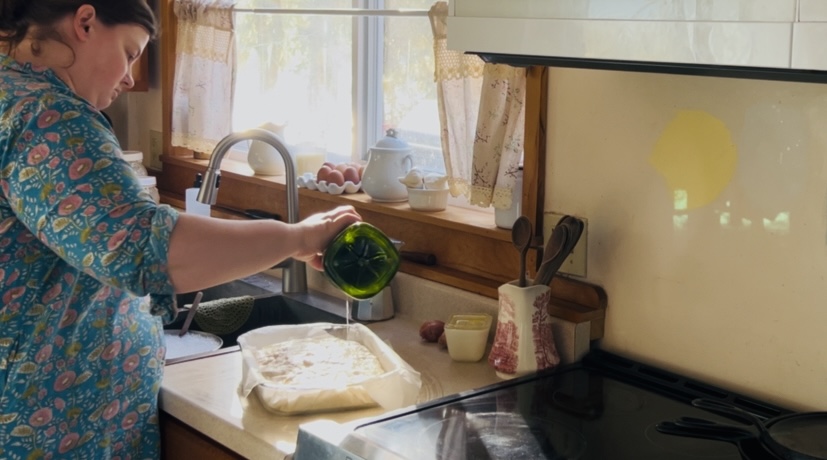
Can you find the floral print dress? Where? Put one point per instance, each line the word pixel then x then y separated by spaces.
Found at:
pixel 83 257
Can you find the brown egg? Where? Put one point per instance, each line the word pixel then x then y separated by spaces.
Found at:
pixel 351 174
pixel 329 165
pixel 361 171
pixel 342 167
pixel 323 174
pixel 336 177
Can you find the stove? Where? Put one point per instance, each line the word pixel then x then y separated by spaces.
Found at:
pixel 604 407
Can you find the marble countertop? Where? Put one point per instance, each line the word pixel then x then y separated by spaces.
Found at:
pixel 204 393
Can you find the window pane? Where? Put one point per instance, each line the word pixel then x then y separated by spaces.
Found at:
pixel 409 88
pixel 296 71
pixel 294 4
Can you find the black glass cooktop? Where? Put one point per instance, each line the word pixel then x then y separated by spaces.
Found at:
pixel 606 407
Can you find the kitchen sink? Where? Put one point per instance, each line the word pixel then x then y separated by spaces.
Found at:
pixel 270 306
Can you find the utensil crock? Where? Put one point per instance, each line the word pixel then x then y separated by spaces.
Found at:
pixel 524 341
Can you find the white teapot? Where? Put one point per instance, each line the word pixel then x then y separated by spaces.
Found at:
pixel 388 160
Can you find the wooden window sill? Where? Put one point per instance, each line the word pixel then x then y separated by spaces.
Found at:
pixel 471 252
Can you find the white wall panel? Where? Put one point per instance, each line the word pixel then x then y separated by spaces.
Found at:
pixel 707 207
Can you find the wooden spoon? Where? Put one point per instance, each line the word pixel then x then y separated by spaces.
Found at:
pixel 573 230
pixel 556 243
pixel 521 236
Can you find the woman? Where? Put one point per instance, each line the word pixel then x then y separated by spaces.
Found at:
pixel 89 264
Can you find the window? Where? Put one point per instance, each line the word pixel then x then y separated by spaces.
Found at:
pixel 338 79
pixel 472 254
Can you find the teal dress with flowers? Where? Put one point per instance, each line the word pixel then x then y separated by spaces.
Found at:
pixel 85 288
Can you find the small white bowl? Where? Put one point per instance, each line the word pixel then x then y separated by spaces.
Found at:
pixel 428 200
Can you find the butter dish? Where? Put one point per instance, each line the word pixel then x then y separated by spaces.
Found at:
pixel 467 336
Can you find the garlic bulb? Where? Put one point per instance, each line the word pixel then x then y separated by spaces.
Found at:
pixel 414 179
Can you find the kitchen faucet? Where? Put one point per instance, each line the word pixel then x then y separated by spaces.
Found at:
pixel 294 276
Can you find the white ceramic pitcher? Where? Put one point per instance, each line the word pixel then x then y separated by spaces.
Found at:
pixel 263 158
pixel 388 160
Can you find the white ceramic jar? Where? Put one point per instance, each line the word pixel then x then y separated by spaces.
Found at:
pixel 388 160
pixel 149 185
pixel 505 218
pixel 135 158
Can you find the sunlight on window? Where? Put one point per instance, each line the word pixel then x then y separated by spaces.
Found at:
pixel 307 73
pixel 295 71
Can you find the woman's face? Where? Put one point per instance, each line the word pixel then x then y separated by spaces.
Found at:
pixel 104 55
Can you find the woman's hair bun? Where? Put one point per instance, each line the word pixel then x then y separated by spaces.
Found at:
pixel 14 22
pixel 12 11
pixel 17 15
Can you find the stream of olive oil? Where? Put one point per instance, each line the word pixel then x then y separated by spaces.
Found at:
pixel 348 306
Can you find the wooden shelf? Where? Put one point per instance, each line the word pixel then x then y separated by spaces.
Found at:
pixel 478 222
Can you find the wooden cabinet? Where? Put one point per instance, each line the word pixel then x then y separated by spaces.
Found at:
pixel 140 72
pixel 180 442
pixel 808 36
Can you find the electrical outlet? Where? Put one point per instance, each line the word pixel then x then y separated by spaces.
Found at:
pixel 575 263
pixel 155 148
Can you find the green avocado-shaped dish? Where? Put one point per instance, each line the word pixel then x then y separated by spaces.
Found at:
pixel 361 261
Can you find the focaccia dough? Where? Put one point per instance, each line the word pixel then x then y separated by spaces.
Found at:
pixel 327 362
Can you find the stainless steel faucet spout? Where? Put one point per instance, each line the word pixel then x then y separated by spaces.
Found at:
pixel 294 276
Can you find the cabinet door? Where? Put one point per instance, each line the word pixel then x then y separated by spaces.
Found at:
pixel 812 11
pixel 634 10
pixel 808 49
pixel 179 441
pixel 743 33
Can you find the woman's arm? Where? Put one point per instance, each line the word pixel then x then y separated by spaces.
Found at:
pixel 207 251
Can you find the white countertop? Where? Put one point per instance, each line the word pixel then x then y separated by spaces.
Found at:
pixel 204 393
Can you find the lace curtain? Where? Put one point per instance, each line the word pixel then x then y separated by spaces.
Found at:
pixel 204 73
pixel 482 117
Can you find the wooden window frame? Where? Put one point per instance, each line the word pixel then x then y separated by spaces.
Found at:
pixel 472 253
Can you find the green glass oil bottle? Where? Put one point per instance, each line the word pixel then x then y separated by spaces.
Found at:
pixel 361 261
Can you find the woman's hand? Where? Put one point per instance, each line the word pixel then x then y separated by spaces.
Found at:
pixel 319 229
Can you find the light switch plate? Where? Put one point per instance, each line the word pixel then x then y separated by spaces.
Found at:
pixel 155 147
pixel 575 263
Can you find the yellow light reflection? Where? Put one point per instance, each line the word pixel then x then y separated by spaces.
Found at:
pixel 696 156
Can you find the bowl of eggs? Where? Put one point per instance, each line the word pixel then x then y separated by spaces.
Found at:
pixel 334 179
